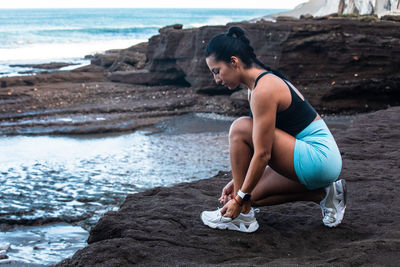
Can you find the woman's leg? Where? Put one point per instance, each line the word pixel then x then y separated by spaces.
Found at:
pixel 273 189
pixel 240 149
pixel 279 183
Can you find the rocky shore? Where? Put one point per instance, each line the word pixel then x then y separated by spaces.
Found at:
pixel 162 226
pixel 342 64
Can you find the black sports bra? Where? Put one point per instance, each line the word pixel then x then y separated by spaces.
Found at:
pixel 297 116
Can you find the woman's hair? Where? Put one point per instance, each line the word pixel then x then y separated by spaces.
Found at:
pixel 235 43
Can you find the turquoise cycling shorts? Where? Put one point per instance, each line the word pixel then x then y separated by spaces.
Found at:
pixel 317 160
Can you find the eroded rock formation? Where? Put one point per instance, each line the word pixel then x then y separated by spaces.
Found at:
pixel 337 62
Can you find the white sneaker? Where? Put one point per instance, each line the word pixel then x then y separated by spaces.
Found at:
pixel 244 222
pixel 334 203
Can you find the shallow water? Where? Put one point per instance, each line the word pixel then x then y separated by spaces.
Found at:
pixel 46 179
pixel 49 179
pixel 42 245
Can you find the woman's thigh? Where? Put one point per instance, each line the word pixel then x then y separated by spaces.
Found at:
pixel 282 147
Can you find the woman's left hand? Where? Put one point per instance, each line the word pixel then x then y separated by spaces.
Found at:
pixel 231 209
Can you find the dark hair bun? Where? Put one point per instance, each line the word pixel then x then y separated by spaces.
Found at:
pixel 237 32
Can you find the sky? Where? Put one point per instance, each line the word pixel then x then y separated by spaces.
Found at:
pixel 254 4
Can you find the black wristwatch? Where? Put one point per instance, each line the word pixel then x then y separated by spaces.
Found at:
pixel 244 196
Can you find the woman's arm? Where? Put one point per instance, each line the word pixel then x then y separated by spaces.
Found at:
pixel 264 105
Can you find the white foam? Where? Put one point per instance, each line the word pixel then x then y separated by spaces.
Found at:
pixel 42 53
pixel 216 20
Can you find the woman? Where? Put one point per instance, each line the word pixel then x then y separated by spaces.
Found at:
pixel 283 152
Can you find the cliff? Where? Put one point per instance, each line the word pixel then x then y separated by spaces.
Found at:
pixel 341 64
pixel 325 7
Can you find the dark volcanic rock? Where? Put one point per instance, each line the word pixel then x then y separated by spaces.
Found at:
pixel 99 107
pixel 62 76
pixel 47 66
pixel 342 64
pixel 391 17
pixel 320 56
pixel 162 226
pixel 146 77
pixel 128 59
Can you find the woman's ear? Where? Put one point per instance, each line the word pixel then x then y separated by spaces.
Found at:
pixel 234 61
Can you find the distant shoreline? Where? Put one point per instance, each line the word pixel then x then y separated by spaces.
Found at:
pixel 72 34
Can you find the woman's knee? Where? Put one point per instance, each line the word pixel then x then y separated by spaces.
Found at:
pixel 241 128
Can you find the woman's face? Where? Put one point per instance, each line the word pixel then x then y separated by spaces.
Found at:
pixel 224 73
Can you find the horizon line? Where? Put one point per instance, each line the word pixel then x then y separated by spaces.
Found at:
pixel 7 8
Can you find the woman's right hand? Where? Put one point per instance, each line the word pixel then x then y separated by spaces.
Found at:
pixel 227 193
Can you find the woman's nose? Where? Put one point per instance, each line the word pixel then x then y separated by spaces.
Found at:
pixel 217 79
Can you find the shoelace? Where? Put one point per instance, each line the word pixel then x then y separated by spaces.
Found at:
pixel 329 213
pixel 256 210
pixel 220 216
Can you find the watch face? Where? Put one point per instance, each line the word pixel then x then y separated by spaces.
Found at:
pixel 246 197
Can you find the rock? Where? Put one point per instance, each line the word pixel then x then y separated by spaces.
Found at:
pixel 4 247
pixel 56 77
pixel 285 18
pixel 240 101
pixel 89 68
pixel 128 59
pixel 104 60
pixel 306 16
pixel 369 18
pixel 317 55
pixel 171 27
pixel 145 77
pixel 47 66
pixel 321 56
pixel 162 226
pixel 391 18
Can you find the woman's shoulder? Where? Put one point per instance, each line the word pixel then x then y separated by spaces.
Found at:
pixel 271 90
pixel 270 85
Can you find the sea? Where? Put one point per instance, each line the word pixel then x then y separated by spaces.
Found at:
pixel 53 189
pixel 33 36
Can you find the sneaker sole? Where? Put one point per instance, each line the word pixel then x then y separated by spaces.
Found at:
pixel 341 210
pixel 231 226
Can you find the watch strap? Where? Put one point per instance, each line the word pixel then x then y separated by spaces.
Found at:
pixel 241 194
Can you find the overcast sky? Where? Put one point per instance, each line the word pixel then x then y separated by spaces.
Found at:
pixel 264 4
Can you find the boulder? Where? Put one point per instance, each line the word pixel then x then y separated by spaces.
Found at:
pixel 128 59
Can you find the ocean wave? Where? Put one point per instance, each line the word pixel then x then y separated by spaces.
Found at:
pixel 46 52
pixel 216 20
pixel 99 31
